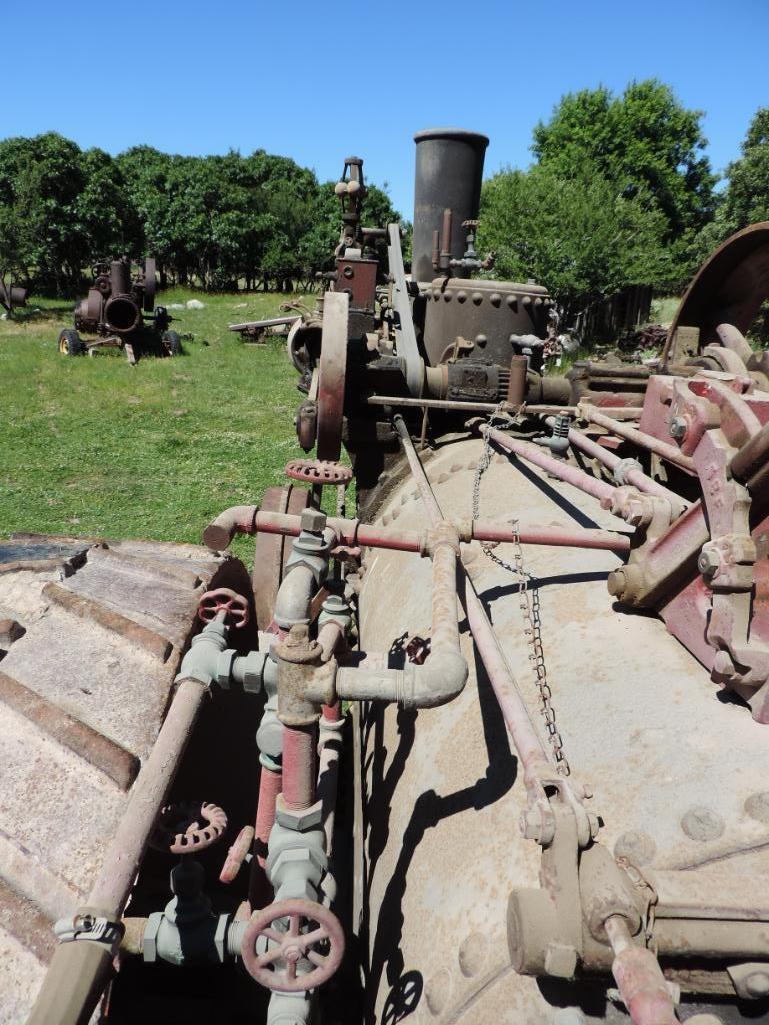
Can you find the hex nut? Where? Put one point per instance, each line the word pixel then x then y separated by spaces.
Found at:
pixel 300 820
pixel 314 861
pixel 150 938
pixel 224 668
pixel 296 888
pixel 313 520
pixel 220 937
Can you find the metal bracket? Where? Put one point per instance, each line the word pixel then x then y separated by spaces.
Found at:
pixel 87 925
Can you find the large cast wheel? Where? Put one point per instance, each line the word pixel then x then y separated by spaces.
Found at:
pixel 728 289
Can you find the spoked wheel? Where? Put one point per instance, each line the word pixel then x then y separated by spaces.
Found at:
pixel 70 342
pixel 305 945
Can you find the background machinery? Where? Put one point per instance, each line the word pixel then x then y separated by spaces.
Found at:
pixel 120 311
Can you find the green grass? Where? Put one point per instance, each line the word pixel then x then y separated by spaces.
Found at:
pixel 93 446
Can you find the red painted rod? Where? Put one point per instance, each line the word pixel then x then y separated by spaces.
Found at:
pixel 570 474
pixel 633 475
pixel 648 441
pixel 352 532
pixel 299 775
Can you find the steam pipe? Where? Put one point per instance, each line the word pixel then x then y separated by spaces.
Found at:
pixel 352 532
pixel 444 674
pixel 294 597
pixel 330 636
pixel 270 785
pixel 531 750
pixel 80 969
pixel 299 774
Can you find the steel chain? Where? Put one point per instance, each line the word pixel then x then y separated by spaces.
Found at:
pixel 529 603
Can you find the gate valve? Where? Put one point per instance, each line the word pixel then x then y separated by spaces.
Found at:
pixel 224 600
pixel 237 854
pixel 179 829
pixel 300 957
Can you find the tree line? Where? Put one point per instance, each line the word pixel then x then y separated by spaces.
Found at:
pixel 620 193
pixel 216 221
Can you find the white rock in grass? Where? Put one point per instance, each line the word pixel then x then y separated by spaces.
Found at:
pixel 176 306
pixel 195 304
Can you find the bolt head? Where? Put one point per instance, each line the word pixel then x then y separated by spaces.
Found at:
pixel 757 984
pixel 708 562
pixel 616 582
pixel 678 427
pixel 313 520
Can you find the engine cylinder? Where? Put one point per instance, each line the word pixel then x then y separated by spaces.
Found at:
pixel 122 314
pixel 448 176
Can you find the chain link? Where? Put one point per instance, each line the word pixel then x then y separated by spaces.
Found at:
pixel 528 600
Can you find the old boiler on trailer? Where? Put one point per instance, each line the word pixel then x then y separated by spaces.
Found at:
pixel 511 755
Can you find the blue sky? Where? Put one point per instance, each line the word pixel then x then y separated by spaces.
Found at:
pixel 321 81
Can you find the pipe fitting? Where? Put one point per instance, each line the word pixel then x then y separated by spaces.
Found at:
pixel 443 533
pixel 295 594
pixel 305 682
pixel 239 519
pixel 202 661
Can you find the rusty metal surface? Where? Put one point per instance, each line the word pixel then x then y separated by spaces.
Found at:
pixel 444 791
pixel 728 289
pixel 80 706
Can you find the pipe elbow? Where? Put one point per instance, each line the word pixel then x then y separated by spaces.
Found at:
pixel 239 519
pixel 441 679
pixel 294 597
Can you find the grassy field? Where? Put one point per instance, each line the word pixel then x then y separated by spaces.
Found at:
pixel 93 446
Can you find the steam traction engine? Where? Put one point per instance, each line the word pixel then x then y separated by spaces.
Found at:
pixel 550 802
pixel 120 310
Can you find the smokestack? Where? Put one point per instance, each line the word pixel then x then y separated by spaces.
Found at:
pixel 448 176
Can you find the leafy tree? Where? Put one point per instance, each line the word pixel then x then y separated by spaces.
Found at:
pixel 106 216
pixel 581 236
pixel 747 195
pixel 40 181
pixel 215 220
pixel 645 141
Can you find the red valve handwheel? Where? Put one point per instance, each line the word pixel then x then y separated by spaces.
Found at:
pixel 276 968
pixel 223 599
pixel 188 827
pixel 318 471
